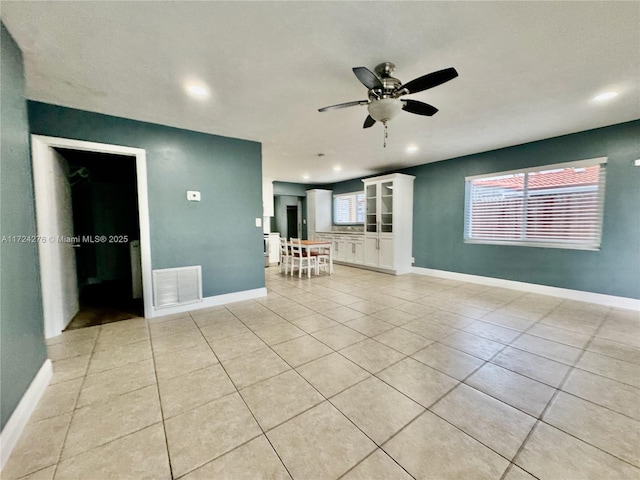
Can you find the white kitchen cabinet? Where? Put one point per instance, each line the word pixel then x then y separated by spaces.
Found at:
pixel 347 249
pixel 358 252
pixel 339 249
pixel 371 251
pixel 267 198
pixel 386 258
pixel 378 252
pixel 351 248
pixel 318 212
pixel 388 232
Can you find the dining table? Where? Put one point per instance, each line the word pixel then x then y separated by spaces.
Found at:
pixel 309 245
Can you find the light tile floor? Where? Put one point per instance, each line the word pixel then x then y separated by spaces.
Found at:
pixel 358 375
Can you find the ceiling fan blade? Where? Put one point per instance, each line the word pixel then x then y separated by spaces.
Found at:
pixel 343 105
pixel 367 77
pixel 430 80
pixel 369 121
pixel 419 108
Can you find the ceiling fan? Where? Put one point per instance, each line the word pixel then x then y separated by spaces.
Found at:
pixel 384 92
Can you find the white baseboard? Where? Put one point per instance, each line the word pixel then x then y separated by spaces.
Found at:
pixel 20 416
pixel 211 302
pixel 579 295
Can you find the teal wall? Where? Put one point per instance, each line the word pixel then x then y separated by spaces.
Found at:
pixel 22 347
pixel 293 189
pixel 347 186
pixel 439 216
pixel 218 232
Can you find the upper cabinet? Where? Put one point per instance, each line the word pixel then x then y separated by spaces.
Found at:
pixel 379 197
pixel 267 198
pixel 318 212
pixel 389 223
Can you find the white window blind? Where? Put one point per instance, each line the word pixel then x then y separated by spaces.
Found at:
pixel 557 206
pixel 348 208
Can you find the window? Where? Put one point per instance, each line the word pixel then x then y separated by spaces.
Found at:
pixel 348 208
pixel 558 206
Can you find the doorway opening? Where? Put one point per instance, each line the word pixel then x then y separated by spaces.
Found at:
pixel 66 270
pixel 292 221
pixel 106 232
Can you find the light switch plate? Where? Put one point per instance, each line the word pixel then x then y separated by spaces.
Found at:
pixel 193 196
pixel 258 222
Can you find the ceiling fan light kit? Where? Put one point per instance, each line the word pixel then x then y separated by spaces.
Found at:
pixel 384 109
pixel 384 92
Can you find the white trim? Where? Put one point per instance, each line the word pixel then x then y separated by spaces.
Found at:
pixel 355 200
pixel 20 416
pixel 211 302
pixel 590 162
pixel 39 142
pixel 529 243
pixel 390 176
pixel 579 295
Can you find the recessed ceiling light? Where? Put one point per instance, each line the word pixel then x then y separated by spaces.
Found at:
pixel 196 90
pixel 306 177
pixel 337 168
pixel 412 149
pixel 605 96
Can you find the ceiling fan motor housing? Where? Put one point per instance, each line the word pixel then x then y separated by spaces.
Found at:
pixel 389 84
pixel 383 106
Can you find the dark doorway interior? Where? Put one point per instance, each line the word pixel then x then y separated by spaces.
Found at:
pixel 106 221
pixel 292 221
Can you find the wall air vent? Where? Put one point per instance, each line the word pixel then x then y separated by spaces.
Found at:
pixel 177 286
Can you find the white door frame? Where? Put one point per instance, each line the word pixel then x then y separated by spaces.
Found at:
pixel 39 150
pixel 299 220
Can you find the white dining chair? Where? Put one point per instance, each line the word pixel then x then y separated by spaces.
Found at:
pixel 298 255
pixel 285 255
pixel 322 260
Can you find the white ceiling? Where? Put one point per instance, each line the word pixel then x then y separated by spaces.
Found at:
pixel 528 70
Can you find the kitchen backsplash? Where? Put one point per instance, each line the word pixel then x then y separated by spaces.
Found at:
pixel 347 228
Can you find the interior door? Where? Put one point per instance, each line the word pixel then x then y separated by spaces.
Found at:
pixel 58 276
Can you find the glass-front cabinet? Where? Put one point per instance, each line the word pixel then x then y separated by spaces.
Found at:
pixel 389 222
pixel 372 208
pixel 379 207
pixel 386 207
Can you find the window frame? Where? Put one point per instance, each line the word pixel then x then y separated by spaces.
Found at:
pixel 348 194
pixel 569 245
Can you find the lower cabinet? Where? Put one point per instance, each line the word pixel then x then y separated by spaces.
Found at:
pixel 371 252
pixel 352 251
pixel 378 252
pixel 375 251
pixel 358 253
pixel 386 259
pixel 347 249
pixel 338 250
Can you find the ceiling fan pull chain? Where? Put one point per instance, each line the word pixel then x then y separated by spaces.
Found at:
pixel 385 135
